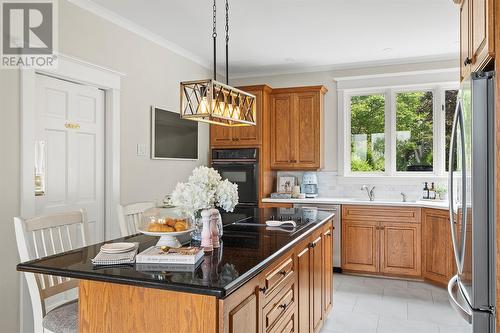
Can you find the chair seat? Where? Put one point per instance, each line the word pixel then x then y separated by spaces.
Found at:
pixel 63 319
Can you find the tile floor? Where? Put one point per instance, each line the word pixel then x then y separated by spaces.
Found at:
pixel 376 305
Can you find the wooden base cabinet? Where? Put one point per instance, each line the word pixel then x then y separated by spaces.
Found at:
pixel 304 284
pixel 360 246
pixel 328 264
pixel 371 245
pixel 314 279
pixel 400 249
pixel 317 281
pixel 438 258
pixel 292 295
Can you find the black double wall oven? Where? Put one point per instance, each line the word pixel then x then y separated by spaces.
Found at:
pixel 240 166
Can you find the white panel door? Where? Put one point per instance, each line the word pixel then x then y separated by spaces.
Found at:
pixel 70 150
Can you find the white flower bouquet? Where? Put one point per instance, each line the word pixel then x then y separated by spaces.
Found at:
pixel 205 189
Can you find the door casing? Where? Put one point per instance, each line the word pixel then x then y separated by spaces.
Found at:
pixel 78 71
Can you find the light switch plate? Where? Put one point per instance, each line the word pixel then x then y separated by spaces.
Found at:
pixel 142 149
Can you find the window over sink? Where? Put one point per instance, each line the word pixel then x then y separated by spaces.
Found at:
pixel 398 131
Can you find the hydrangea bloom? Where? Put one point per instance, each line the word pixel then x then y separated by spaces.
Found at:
pixel 205 189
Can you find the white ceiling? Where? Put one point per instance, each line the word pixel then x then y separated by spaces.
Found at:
pixel 278 36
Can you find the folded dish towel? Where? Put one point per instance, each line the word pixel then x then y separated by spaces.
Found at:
pixel 103 258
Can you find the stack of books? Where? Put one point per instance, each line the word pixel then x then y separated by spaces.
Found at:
pixel 180 256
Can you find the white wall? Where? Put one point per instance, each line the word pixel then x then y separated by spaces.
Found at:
pixel 152 77
pixel 9 198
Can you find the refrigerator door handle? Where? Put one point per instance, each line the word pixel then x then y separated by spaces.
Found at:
pixel 457 121
pixel 463 312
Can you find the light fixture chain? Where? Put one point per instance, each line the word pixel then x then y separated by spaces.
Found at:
pixel 214 37
pixel 227 42
pixel 214 32
pixel 227 21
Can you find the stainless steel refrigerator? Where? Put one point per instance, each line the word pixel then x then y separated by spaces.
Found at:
pixel 472 205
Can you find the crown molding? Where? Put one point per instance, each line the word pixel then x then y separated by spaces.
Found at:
pixel 455 70
pixel 140 31
pixel 347 66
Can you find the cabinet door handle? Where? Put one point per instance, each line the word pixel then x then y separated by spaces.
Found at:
pixel 283 306
pixel 311 245
pixel 467 61
pixel 263 290
pixel 283 273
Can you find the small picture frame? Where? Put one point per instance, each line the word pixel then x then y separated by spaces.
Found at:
pixel 285 184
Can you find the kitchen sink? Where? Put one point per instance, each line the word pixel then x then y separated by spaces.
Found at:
pixel 388 201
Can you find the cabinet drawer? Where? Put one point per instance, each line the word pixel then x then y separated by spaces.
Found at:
pixel 278 275
pixel 279 305
pixel 286 324
pixel 378 213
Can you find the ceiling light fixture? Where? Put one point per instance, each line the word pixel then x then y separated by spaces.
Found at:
pixel 214 102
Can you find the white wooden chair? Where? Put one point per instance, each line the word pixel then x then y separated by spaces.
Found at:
pixel 43 236
pixel 130 216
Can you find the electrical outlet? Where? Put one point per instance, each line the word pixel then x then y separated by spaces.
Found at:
pixel 142 149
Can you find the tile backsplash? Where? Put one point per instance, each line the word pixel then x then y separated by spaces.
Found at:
pixel 332 185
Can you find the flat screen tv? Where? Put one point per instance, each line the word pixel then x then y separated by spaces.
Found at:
pixel 173 137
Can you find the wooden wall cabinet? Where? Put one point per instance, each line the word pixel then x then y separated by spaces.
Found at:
pixel 381 240
pixel 477 43
pixel 438 258
pixel 297 128
pixel 244 136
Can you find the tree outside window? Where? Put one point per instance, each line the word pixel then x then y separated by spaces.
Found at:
pixel 367 133
pixel 414 131
pixel 413 142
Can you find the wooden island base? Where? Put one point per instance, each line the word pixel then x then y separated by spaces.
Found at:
pixel 110 307
pixel 292 294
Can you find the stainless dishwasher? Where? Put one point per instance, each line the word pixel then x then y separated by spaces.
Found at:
pixel 336 225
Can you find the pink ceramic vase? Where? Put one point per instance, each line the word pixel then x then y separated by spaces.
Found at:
pixel 206 234
pixel 214 231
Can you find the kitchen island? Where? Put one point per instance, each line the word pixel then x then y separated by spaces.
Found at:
pixel 262 279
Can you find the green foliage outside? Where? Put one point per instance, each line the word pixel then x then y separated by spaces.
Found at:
pixel 368 119
pixel 414 130
pixel 450 105
pixel 414 127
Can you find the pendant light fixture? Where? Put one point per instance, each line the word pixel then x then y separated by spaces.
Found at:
pixel 214 102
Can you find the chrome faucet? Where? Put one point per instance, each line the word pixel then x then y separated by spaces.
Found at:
pixel 404 196
pixel 370 192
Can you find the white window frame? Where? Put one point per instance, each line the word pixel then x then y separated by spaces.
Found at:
pixel 389 92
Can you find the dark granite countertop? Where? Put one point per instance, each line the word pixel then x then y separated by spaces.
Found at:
pixel 247 248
